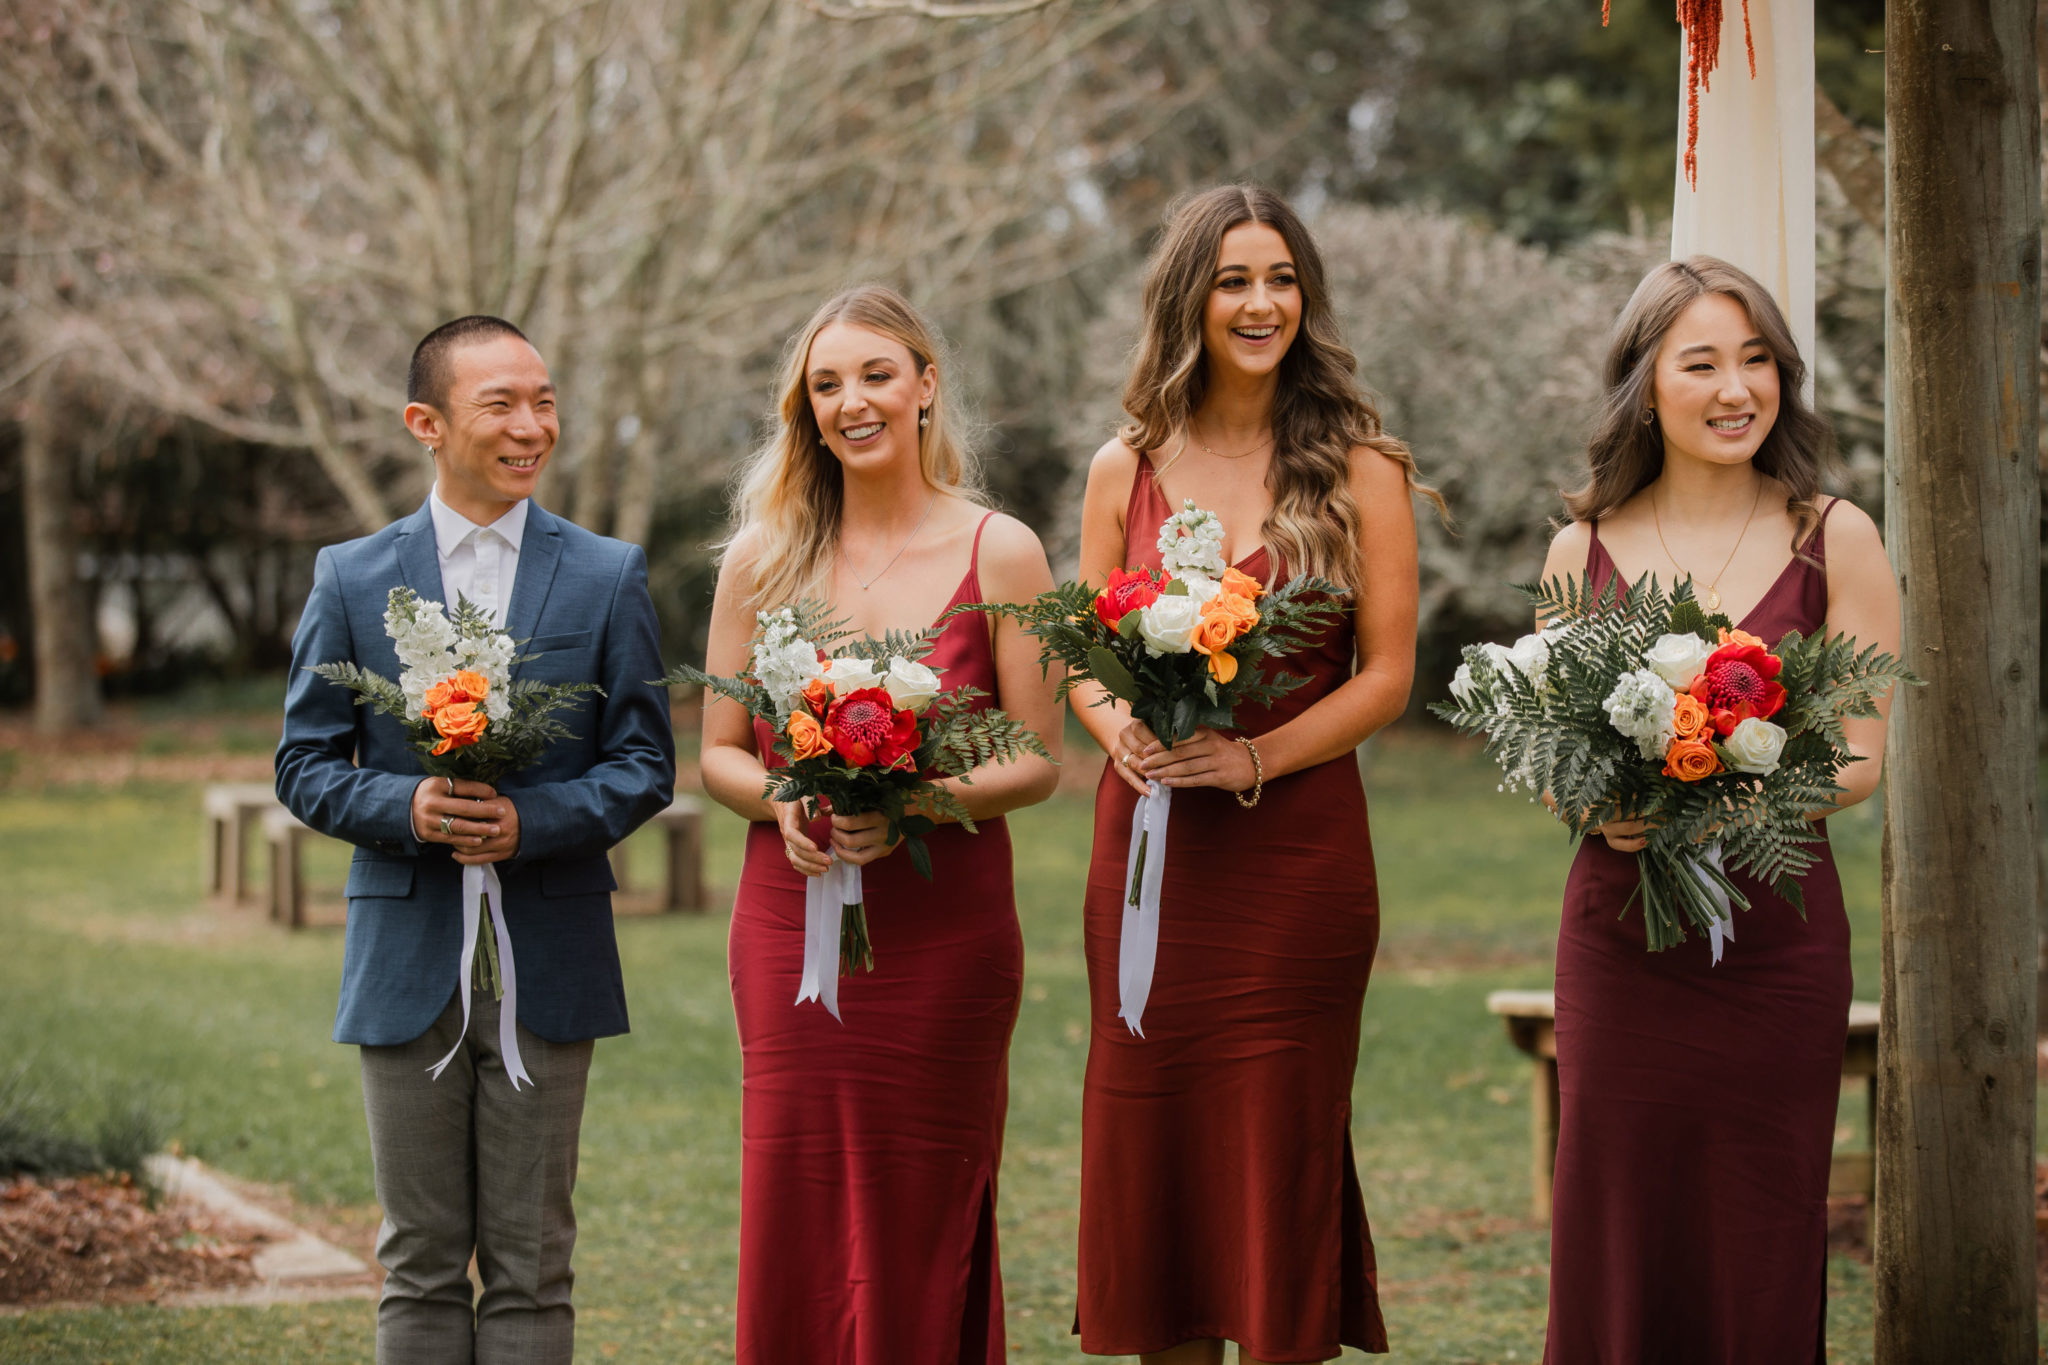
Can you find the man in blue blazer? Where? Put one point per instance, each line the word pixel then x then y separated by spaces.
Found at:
pixel 466 1160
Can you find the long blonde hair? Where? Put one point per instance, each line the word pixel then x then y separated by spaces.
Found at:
pixel 790 492
pixel 1626 454
pixel 1319 412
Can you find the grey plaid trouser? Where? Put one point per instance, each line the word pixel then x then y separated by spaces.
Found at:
pixel 464 1164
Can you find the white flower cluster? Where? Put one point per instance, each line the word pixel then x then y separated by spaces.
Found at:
pixel 1640 706
pixel 1191 542
pixel 785 664
pixel 1528 656
pixel 429 649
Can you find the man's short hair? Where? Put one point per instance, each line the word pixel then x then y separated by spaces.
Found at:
pixel 426 381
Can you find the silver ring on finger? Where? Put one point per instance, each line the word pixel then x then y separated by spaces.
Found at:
pixel 451 785
pixel 447 824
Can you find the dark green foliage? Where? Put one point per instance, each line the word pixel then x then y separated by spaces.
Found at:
pixel 1558 738
pixel 38 1138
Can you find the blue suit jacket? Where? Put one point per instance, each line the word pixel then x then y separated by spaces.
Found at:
pixel 581 601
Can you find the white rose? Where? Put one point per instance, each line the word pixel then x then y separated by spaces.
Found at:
pixel 1169 623
pixel 1754 746
pixel 1531 657
pixel 911 685
pixel 1677 659
pixel 1496 655
pixel 1201 587
pixel 848 674
pixel 1463 686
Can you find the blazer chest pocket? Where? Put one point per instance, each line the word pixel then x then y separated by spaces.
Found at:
pixel 384 877
pixel 557 658
pixel 556 644
pixel 582 877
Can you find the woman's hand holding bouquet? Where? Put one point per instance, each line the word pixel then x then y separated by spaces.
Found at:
pixel 1643 715
pixel 865 733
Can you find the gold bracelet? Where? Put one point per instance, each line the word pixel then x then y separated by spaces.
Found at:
pixel 1258 775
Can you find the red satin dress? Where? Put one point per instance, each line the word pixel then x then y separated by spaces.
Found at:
pixel 869 1149
pixel 1698 1102
pixel 1219 1197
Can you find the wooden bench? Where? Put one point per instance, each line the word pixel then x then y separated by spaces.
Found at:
pixel 1531 1018
pixel 284 836
pixel 682 827
pixel 233 810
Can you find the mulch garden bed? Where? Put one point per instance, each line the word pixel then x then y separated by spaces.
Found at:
pixel 98 1239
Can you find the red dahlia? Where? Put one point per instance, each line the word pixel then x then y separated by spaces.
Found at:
pixel 866 730
pixel 1738 683
pixel 1128 591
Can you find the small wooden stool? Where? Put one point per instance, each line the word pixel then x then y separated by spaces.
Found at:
pixel 1531 1018
pixel 232 810
pixel 683 825
pixel 285 836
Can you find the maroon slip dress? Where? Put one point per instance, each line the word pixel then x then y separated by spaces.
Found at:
pixel 1698 1102
pixel 869 1149
pixel 1219 1197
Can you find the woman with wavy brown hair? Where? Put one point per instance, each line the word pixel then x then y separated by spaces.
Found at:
pixel 1698 1098
pixel 1219 1196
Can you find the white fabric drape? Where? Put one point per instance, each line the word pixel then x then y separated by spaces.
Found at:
pixel 1753 204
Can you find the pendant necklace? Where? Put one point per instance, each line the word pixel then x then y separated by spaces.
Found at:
pixel 1713 602
pixel 866 583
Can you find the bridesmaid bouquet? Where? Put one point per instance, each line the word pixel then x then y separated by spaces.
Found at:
pixel 1183 647
pixel 466 717
pixel 1634 705
pixel 862 730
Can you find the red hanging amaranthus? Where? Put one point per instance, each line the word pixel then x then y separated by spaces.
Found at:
pixel 1701 20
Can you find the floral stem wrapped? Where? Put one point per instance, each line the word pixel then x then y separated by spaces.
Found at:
pixel 1637 705
pixel 863 726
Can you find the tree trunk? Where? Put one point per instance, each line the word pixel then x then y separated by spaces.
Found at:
pixel 67 688
pixel 1955 1146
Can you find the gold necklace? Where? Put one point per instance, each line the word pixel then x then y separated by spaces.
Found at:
pixel 1207 448
pixel 1713 602
pixel 866 583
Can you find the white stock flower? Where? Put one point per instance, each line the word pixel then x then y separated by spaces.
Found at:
pixel 1191 541
pixel 784 669
pixel 1640 706
pixel 1201 587
pixel 1677 659
pixel 849 674
pixel 911 685
pixel 1168 624
pixel 1754 746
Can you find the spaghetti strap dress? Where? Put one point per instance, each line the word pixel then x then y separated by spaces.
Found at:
pixel 1219 1195
pixel 869 1149
pixel 1698 1101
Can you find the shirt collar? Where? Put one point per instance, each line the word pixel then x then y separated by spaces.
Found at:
pixel 451 528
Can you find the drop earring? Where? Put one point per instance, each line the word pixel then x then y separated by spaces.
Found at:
pixel 924 418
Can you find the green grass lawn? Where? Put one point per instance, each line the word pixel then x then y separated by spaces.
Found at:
pixel 118 981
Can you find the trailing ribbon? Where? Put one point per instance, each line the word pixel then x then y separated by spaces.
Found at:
pixel 1144 870
pixel 826 899
pixel 1723 927
pixel 480 887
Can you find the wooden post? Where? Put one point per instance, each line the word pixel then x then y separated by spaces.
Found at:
pixel 1955 1097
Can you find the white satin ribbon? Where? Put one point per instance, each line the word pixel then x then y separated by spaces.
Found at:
pixel 480 886
pixel 1722 930
pixel 1139 949
pixel 825 900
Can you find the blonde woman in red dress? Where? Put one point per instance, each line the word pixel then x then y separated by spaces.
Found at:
pixel 870 1148
pixel 1219 1194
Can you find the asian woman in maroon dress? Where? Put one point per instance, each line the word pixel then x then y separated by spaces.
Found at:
pixel 1219 1194
pixel 870 1148
pixel 1699 1099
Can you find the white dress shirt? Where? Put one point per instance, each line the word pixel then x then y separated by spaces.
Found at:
pixel 478 562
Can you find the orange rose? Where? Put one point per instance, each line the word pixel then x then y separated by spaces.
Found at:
pixel 1239 584
pixel 459 686
pixel 1690 717
pixel 460 723
pixel 1689 760
pixel 1741 637
pixel 818 695
pixel 806 736
pixel 1224 617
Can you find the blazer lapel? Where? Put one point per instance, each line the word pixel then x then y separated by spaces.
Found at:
pixel 539 551
pixel 419 559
